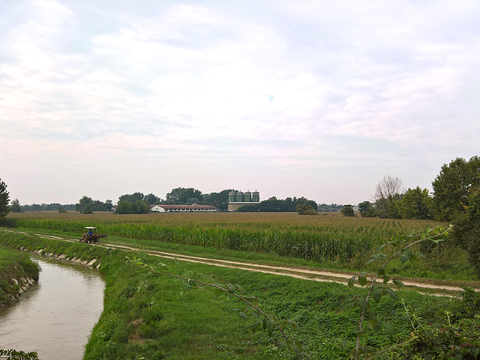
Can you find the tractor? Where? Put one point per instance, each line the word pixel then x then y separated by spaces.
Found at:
pixel 91 236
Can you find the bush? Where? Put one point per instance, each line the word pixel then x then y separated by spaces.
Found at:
pixel 87 210
pixel 469 306
pixel 347 211
pixel 303 209
pixel 449 340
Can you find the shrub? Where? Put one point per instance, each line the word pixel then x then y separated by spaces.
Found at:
pixel 449 340
pixel 303 209
pixel 87 210
pixel 347 211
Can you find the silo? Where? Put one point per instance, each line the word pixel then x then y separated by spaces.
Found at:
pixel 240 196
pixel 256 196
pixel 231 196
pixel 248 196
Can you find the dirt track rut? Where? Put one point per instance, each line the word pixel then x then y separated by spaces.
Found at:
pixel 300 273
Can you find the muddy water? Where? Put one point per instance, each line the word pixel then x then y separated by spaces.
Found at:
pixel 56 315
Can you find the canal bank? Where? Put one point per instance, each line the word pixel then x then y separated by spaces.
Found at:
pixel 54 318
pixel 148 316
pixel 17 274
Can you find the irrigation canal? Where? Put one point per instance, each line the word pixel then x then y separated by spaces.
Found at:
pixel 56 315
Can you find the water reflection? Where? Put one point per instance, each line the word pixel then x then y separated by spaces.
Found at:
pixel 56 315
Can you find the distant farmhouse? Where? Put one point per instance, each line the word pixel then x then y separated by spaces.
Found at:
pixel 183 208
pixel 238 198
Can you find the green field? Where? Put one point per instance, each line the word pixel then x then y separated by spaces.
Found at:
pixel 148 316
pixel 328 240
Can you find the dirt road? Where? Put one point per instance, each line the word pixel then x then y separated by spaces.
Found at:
pixel 424 286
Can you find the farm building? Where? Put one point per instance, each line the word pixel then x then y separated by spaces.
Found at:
pixel 238 198
pixel 183 208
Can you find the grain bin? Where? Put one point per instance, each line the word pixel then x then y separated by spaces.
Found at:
pixel 240 196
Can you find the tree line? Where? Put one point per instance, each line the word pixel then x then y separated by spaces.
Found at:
pixel 455 198
pixel 15 207
pixel 452 191
pixel 277 205
pixel 138 203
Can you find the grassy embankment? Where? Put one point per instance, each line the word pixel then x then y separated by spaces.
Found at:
pixel 14 267
pixel 324 241
pixel 147 316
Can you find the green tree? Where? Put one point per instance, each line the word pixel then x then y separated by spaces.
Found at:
pixel 137 207
pixel 180 196
pixel 416 204
pixel 219 200
pixel 302 200
pixel 347 210
pixel 83 203
pixel 131 197
pixel 191 201
pixel 366 209
pixel 152 199
pixel 466 230
pixel 453 186
pixel 123 207
pixel 277 205
pixel 4 199
pixel 141 207
pixel 394 208
pixel 15 206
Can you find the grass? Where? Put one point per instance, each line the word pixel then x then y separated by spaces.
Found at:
pixel 14 266
pixel 147 316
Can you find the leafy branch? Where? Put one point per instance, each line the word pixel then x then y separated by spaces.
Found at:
pixel 269 323
pixel 11 354
pixel 378 290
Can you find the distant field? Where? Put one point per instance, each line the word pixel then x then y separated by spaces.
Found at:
pixel 233 219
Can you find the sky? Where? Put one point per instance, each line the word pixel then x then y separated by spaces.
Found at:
pixel 312 98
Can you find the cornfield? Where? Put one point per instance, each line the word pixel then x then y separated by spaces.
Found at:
pixel 322 237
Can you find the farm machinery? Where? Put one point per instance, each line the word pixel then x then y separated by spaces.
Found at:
pixel 91 236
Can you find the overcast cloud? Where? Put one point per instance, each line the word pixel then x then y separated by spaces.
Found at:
pixel 293 98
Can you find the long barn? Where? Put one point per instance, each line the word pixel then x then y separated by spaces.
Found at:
pixel 183 208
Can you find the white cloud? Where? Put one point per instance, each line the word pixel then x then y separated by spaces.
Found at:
pixel 309 85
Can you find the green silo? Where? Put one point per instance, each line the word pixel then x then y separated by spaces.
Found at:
pixel 240 197
pixel 256 196
pixel 231 196
pixel 248 196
